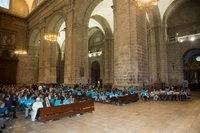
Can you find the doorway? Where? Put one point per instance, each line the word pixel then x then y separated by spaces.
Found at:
pixel 192 69
pixel 95 72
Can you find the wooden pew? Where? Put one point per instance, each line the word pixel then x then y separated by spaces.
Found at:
pixel 128 98
pixel 57 112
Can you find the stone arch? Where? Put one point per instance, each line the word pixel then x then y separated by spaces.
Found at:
pixel 84 10
pixel 180 19
pixel 192 68
pixel 55 22
pixel 34 33
pixel 174 5
pixel 103 22
pixel 34 42
pixel 92 31
pixel 189 53
pixel 154 17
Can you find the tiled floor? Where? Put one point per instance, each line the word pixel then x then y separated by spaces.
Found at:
pixel 138 117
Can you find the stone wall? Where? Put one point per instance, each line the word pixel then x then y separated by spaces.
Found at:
pixel 184 21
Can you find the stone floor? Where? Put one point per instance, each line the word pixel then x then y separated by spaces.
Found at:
pixel 138 117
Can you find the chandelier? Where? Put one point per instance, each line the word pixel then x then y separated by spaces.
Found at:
pixel 146 3
pixel 94 54
pixel 51 36
pixel 20 51
pixel 191 37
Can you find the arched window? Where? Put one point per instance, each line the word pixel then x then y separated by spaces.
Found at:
pixel 198 58
pixel 5 4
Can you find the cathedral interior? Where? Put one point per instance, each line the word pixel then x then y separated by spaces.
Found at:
pixel 122 43
pixel 119 43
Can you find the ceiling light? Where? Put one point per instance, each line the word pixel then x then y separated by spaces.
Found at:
pixel 192 38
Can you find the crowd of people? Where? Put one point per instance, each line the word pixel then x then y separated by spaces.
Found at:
pixel 30 99
pixel 167 94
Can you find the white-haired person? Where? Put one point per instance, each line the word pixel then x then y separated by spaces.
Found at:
pixel 36 105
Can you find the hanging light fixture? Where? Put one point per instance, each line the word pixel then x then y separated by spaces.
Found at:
pixel 146 3
pixel 20 52
pixel 94 54
pixel 51 36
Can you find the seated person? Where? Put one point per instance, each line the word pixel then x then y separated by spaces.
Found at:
pixel 4 116
pixel 188 93
pixel 28 103
pixel 10 107
pixel 21 103
pixel 36 105
pixel 71 99
pixel 145 95
pixel 14 99
pixel 103 96
pixel 169 93
pixel 162 95
pixel 65 101
pixel 183 95
pixel 57 101
pixel 155 94
pixel 46 102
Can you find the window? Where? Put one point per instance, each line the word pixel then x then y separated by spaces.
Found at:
pixel 37 2
pixel 5 4
pixel 198 58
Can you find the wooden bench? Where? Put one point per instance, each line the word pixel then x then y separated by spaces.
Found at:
pixel 57 112
pixel 128 98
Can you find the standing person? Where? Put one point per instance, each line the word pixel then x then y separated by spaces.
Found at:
pixel 10 107
pixel 36 105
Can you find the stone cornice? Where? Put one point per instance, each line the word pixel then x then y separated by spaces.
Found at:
pixel 38 9
pixel 44 10
pixel 10 15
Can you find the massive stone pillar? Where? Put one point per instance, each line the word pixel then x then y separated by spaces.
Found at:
pixel 41 77
pixel 108 62
pixel 158 67
pixel 69 54
pixel 76 52
pixel 153 68
pixel 163 55
pixel 47 59
pixel 130 45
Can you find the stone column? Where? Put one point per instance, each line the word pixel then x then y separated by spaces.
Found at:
pixel 80 40
pixel 41 77
pixel 108 65
pixel 76 52
pixel 163 55
pixel 153 55
pixel 158 55
pixel 47 59
pixel 130 45
pixel 69 54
